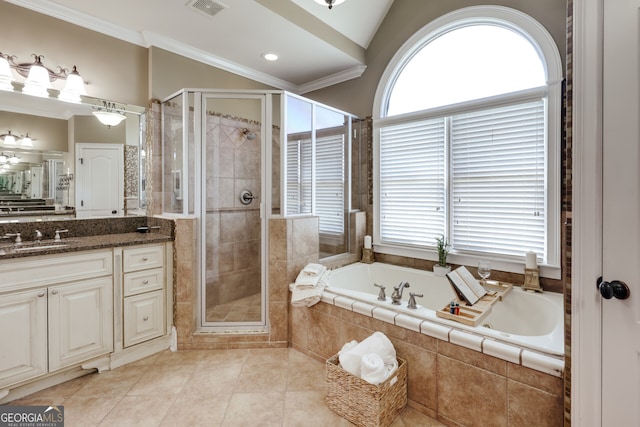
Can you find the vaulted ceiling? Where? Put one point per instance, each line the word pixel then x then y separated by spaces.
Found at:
pixel 316 46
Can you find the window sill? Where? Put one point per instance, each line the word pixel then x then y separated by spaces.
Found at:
pixel 500 264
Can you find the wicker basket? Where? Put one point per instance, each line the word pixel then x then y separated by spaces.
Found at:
pixel 363 403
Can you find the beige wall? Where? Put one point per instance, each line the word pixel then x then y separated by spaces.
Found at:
pixel 48 134
pixel 404 19
pixel 114 69
pixel 170 72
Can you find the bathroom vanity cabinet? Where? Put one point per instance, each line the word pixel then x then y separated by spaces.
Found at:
pixel 143 269
pixel 63 313
pixel 55 311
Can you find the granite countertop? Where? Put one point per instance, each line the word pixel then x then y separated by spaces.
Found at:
pixel 76 244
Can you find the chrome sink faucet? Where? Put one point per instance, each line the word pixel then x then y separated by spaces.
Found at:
pixel 396 296
pixel 412 300
pixel 38 236
pixel 16 235
pixel 56 238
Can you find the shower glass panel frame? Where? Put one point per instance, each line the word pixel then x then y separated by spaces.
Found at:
pixel 233 194
pixel 192 175
pixel 317 165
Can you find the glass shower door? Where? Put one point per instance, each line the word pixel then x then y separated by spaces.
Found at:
pixel 232 267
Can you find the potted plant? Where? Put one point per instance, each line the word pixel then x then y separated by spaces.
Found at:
pixel 442 245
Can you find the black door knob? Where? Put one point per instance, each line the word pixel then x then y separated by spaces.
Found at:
pixel 615 288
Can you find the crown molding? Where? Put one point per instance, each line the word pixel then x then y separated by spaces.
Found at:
pixel 333 79
pixel 147 39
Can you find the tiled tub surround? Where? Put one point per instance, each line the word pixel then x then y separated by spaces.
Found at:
pixel 454 376
pixel 522 320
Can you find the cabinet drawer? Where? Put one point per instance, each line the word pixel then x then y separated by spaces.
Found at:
pixel 142 258
pixel 143 317
pixel 48 270
pixel 143 281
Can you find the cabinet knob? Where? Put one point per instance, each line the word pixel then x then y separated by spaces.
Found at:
pixel 145 282
pixel 145 318
pixel 41 294
pixel 54 292
pixel 145 259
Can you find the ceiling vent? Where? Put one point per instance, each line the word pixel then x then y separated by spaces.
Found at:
pixel 210 7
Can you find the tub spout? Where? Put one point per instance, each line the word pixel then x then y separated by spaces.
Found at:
pixel 381 295
pixel 396 296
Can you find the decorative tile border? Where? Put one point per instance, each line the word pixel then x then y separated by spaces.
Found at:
pixel 527 358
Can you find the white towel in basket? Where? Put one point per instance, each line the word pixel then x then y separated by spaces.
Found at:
pixel 377 343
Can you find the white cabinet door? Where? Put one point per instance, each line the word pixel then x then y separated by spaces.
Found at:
pixel 143 317
pixel 80 321
pixel 23 336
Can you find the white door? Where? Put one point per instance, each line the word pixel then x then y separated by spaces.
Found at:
pixel 99 180
pixel 621 213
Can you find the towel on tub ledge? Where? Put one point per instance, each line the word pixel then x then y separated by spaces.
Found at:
pixel 361 359
pixel 304 295
pixel 309 276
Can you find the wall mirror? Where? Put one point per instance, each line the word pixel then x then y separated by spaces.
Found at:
pixel 39 175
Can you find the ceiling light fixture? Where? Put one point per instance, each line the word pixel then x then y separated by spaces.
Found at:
pixel 39 78
pixel 270 56
pixel 109 115
pixel 330 3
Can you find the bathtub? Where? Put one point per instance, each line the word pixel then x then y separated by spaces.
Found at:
pixel 524 320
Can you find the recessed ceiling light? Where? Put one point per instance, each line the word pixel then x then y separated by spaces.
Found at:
pixel 270 56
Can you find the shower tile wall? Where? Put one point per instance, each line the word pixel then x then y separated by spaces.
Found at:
pixel 233 229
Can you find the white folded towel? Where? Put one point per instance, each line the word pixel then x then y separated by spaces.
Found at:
pixel 310 275
pixel 373 369
pixel 306 296
pixel 376 343
pixel 313 269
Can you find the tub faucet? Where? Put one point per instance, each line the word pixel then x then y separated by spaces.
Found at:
pixel 396 296
pixel 412 300
pixel 381 295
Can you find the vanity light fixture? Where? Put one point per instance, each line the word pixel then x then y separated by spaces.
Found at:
pixel 109 115
pixel 39 78
pixel 3 159
pixel 14 160
pixel 38 81
pixel 26 141
pixel 330 3
pixel 10 139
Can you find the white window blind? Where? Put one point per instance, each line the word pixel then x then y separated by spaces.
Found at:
pixel 299 175
pixel 498 180
pixel 412 182
pixel 330 183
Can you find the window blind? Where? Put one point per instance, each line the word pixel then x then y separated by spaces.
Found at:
pixel 299 174
pixel 412 182
pixel 498 180
pixel 330 169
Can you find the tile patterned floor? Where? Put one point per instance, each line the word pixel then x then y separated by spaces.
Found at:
pixel 253 387
pixel 247 309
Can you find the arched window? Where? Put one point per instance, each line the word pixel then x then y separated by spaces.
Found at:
pixel 467 136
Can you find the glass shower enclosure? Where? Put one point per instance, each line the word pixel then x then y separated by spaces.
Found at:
pixel 223 164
